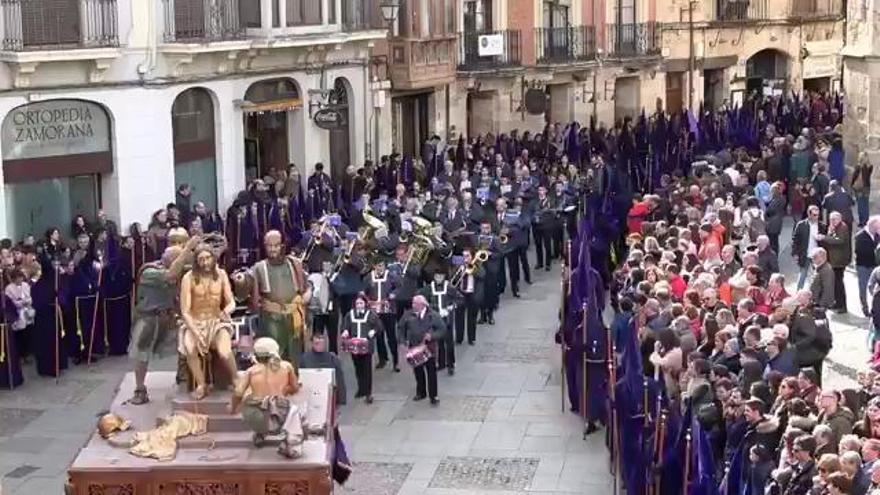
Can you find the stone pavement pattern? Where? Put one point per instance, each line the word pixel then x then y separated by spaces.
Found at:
pixel 499 427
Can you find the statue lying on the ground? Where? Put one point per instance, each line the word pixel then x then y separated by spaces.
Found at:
pixel 159 443
pixel 263 392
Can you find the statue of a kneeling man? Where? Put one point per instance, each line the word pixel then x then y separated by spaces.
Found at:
pixel 263 394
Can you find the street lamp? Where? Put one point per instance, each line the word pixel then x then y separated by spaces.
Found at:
pixel 389 10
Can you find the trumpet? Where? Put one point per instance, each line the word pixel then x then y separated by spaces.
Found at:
pixel 504 235
pixel 480 257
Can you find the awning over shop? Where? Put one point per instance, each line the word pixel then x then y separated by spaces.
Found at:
pixel 681 64
pixel 283 105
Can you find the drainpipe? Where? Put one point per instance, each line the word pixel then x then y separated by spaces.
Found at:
pixel 691 54
pixel 446 91
pixel 368 139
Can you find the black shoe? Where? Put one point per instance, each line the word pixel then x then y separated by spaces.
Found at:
pixel 482 320
pixel 434 401
pixel 529 281
pixel 547 268
pixel 441 367
pixel 459 342
pixel 381 364
pixel 419 397
pixel 491 320
pixel 396 369
pixel 591 428
pixel 450 371
pixel 369 399
pixel 538 267
pixel 358 395
pixel 516 295
pixel 470 342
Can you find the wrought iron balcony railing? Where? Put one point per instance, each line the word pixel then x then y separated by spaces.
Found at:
pixel 489 50
pixel 633 40
pixel 202 20
pixel 816 9
pixel 565 44
pixel 740 10
pixel 59 24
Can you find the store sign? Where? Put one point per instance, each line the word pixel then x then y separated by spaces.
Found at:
pixel 55 128
pixel 490 45
pixel 329 119
pixel 820 66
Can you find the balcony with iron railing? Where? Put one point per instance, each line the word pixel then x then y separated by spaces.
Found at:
pixel 817 9
pixel 738 10
pixel 633 40
pixel 39 25
pixel 489 50
pixel 200 21
pixel 419 63
pixel 565 44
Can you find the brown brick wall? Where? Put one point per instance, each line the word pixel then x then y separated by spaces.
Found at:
pixel 521 15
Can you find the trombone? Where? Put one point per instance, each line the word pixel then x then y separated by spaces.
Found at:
pixel 480 257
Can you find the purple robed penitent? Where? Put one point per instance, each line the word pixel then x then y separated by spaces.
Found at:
pixel 88 319
pixel 50 354
pixel 116 305
pixel 11 375
pixel 586 363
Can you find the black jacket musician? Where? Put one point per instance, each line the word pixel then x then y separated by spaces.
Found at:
pixel 362 323
pixel 423 326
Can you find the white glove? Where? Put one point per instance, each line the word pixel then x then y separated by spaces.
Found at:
pixel 372 333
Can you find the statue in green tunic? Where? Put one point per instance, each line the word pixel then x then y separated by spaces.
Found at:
pixel 281 293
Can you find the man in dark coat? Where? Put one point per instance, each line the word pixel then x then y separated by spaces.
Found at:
pixel 822 284
pixel 422 326
pixel 840 201
pixel 866 242
pixel 801 482
pixel 471 288
pixel 805 239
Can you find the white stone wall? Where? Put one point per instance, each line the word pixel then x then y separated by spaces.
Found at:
pixel 143 155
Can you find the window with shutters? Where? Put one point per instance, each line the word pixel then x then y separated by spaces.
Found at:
pixel 45 24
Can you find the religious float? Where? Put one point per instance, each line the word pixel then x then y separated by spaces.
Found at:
pixel 175 445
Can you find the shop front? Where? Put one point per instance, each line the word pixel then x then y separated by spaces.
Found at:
pixel 55 153
pixel 271 109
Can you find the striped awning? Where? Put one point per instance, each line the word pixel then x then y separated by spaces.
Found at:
pixel 272 106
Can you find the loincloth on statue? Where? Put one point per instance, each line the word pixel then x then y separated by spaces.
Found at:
pixel 204 334
pixel 150 332
pixel 275 415
pixel 161 442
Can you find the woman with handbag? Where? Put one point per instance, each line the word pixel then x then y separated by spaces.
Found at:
pixel 359 329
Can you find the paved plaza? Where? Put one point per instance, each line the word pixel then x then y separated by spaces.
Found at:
pixel 499 427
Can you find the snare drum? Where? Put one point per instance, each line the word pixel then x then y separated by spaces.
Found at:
pixel 418 355
pixel 357 346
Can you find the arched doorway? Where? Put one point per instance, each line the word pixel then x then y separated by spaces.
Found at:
pixel 56 149
pixel 192 123
pixel 340 138
pixel 267 114
pixel 767 72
